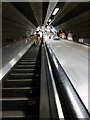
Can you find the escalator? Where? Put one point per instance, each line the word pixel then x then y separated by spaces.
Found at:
pixel 21 88
pixel 37 88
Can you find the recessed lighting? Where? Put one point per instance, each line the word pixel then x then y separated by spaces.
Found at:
pixel 55 11
pixel 49 20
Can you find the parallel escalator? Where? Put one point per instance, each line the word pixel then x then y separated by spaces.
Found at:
pixel 21 88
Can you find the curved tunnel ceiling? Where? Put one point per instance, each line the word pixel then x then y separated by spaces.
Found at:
pixel 69 11
pixel 14 24
pixel 26 10
pixel 20 17
pixel 35 12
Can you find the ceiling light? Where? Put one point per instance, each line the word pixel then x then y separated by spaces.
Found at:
pixel 55 11
pixel 49 20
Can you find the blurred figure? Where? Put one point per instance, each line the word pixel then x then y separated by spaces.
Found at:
pixel 70 36
pixel 40 35
pixel 63 35
pixel 60 33
pixel 36 38
pixel 56 37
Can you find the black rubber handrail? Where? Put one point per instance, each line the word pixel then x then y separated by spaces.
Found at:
pixel 48 109
pixel 72 105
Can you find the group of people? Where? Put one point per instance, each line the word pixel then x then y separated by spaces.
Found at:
pixel 51 33
pixel 64 35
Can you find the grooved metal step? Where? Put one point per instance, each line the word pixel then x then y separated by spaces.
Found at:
pixel 21 89
pixel 27 60
pixel 26 63
pixel 21 75
pixel 24 71
pixel 19 115
pixel 21 83
pixel 19 104
pixel 20 92
pixel 25 66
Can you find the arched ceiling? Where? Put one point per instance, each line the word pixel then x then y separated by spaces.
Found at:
pixel 33 11
pixel 20 17
pixel 69 11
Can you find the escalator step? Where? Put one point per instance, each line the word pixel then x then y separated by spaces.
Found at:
pixel 27 60
pixel 18 115
pixel 25 66
pixel 23 71
pixel 22 76
pixel 20 92
pixel 21 83
pixel 26 63
pixel 10 104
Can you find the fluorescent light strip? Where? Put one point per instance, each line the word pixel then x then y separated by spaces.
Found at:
pixel 55 11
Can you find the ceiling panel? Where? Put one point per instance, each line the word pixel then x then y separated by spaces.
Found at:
pixel 37 11
pixel 69 11
pixel 33 11
pixel 26 10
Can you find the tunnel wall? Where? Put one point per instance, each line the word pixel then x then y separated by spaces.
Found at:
pixel 78 26
pixel 12 50
pixel 0 24
pixel 15 25
pixel 0 38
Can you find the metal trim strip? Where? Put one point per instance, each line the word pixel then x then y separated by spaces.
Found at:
pixel 9 66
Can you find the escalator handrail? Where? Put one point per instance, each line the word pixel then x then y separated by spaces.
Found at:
pixel 56 97
pixel 71 103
